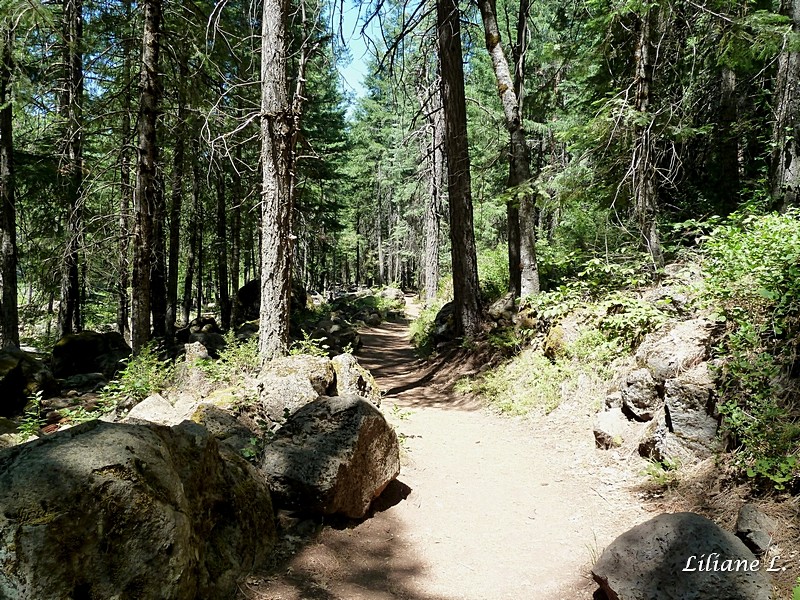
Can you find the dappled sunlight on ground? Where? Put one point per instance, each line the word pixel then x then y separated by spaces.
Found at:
pixel 490 508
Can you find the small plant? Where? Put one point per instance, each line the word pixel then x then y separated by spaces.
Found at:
pixel 796 590
pixel 628 319
pixel 309 345
pixel 662 474
pixel 507 340
pixel 253 450
pixel 145 374
pixel 237 359
pixel 398 413
pixel 32 421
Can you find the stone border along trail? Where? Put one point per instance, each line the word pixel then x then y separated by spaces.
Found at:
pixel 486 507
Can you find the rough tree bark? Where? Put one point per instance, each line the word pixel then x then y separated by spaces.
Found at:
pixel 276 201
pixel 126 190
pixel 9 318
pixel 144 193
pixel 727 143
pixel 785 163
pixel 176 201
pixel 222 252
pixel 467 314
pixel 71 168
pixel 643 168
pixel 523 268
pixel 191 257
pixel 431 104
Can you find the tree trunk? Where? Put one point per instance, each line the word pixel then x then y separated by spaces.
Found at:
pixel 524 274
pixel 643 167
pixel 785 163
pixel 69 310
pixel 126 191
pixel 236 235
pixel 276 201
pixel 144 194
pixel 379 228
pixel 198 300
pixel 191 257
pixel 176 204
pixel 222 253
pixel 462 236
pixel 431 104
pixel 727 144
pixel 9 318
pixel 434 201
pixel 158 279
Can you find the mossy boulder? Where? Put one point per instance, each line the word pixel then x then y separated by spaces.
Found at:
pixel 111 510
pixel 89 352
pixel 21 376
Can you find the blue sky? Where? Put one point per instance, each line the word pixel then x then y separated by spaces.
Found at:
pixel 353 75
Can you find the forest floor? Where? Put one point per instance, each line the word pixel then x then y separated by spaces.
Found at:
pixel 486 507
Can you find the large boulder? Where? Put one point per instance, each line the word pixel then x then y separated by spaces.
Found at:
pixel 755 528
pixel 154 409
pixel 352 378
pixel 106 510
pixel 640 399
pixel 691 411
pixel 667 353
pixel 393 293
pixel 287 383
pixel 681 556
pixel 610 428
pixel 21 376
pixel 89 352
pixel 561 337
pixel 333 456
pixel 444 324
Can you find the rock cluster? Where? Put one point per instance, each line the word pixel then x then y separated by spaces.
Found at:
pixel 672 391
pixel 164 505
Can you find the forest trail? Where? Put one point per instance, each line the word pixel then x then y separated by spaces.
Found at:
pixel 485 508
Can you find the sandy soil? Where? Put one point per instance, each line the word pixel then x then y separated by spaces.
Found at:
pixel 486 507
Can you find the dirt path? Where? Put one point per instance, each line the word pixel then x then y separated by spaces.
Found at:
pixel 487 508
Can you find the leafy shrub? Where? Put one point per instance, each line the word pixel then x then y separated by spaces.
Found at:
pixel 309 345
pixel 145 374
pixel 753 265
pixel 493 273
pixel 236 360
pixel 628 319
pixel 422 328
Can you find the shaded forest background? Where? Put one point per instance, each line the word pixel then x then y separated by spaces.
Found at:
pixel 600 135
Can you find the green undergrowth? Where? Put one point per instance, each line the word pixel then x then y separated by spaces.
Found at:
pixel 753 283
pixel 144 374
pixel 238 360
pixel 531 383
pixel 422 328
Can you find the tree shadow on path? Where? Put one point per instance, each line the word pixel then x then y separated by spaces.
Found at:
pixel 387 353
